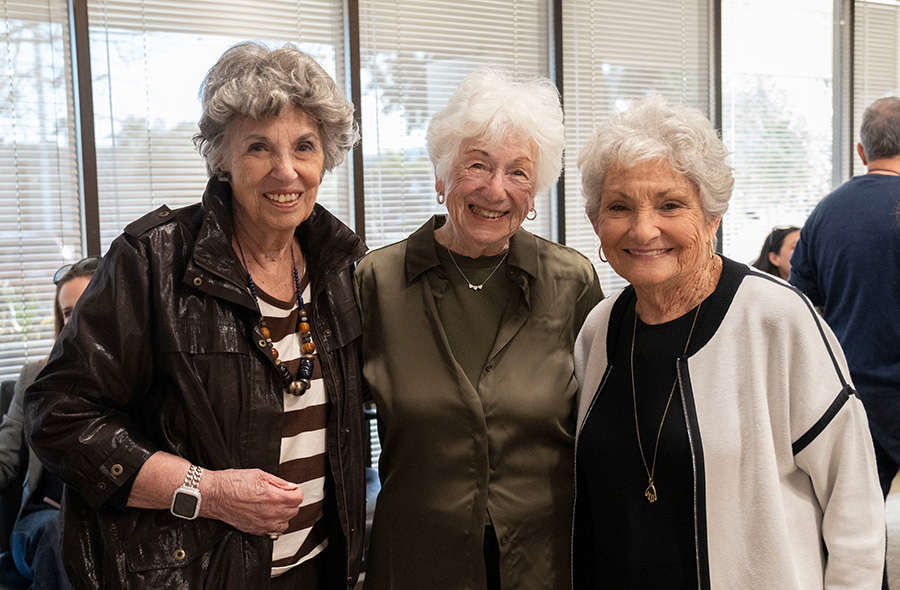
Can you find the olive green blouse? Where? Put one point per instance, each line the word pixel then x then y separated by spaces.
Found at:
pixel 451 453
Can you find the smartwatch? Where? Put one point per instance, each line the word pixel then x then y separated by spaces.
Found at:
pixel 186 499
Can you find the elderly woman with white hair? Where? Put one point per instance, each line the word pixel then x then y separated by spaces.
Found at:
pixel 720 441
pixel 468 330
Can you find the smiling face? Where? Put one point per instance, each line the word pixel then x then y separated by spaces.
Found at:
pixel 275 166
pixel 491 192
pixel 652 227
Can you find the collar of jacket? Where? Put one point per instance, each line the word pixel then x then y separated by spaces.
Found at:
pixel 328 244
pixel 421 256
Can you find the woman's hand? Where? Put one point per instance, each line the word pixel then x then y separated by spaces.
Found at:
pixel 250 500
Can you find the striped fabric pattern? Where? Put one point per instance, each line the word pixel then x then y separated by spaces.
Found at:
pixel 303 453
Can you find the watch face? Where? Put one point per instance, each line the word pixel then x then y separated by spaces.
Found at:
pixel 185 504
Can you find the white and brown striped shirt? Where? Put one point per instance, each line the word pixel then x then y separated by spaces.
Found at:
pixel 303 453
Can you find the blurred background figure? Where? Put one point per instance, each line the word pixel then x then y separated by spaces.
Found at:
pixel 706 456
pixel 775 255
pixel 469 326
pixel 36 544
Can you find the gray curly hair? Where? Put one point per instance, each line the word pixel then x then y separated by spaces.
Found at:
pixel 491 107
pixel 651 129
pixel 254 81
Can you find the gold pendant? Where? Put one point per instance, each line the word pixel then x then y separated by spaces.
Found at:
pixel 650 492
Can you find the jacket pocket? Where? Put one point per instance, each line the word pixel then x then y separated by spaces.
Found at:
pixel 174 547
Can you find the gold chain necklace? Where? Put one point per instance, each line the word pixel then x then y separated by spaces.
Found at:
pixel 650 492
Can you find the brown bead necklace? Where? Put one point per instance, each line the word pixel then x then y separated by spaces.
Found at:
pixel 650 492
pixel 302 383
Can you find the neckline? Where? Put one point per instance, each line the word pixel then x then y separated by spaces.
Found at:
pixel 891 172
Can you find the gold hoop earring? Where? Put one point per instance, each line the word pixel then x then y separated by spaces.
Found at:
pixel 532 215
pixel 602 259
pixel 712 249
pixel 440 198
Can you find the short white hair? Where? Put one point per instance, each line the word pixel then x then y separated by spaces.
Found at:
pixel 491 108
pixel 652 129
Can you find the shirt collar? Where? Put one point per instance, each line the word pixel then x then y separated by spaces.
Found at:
pixel 421 255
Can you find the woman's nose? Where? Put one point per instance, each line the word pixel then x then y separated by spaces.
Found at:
pixel 283 167
pixel 644 225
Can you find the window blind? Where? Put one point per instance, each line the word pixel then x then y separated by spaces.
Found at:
pixel 876 61
pixel 614 52
pixel 148 60
pixel 414 54
pixel 39 198
pixel 777 115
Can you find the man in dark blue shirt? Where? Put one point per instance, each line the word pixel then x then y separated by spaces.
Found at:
pixel 848 262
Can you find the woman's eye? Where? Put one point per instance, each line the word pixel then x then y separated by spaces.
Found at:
pixel 519 173
pixel 306 147
pixel 478 166
pixel 256 147
pixel 617 207
pixel 671 206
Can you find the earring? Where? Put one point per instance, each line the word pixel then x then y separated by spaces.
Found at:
pixel 532 215
pixel 223 176
pixel 602 259
pixel 440 198
pixel 712 249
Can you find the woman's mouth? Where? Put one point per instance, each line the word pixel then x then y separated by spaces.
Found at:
pixel 656 252
pixel 486 213
pixel 282 197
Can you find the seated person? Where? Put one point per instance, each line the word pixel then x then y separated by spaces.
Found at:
pixel 35 544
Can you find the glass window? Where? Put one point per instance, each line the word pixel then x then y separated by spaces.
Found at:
pixel 40 217
pixel 777 115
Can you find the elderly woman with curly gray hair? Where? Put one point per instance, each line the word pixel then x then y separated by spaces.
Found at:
pixel 720 441
pixel 469 326
pixel 203 405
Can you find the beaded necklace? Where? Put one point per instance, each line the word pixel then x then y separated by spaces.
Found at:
pixel 301 384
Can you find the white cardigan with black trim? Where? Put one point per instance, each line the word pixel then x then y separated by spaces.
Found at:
pixel 787 495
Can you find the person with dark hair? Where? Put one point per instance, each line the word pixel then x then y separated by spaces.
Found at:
pixel 720 443
pixel 775 255
pixel 204 406
pixel 36 545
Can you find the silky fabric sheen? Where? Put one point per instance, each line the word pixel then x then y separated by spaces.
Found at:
pixel 451 453
pixel 164 352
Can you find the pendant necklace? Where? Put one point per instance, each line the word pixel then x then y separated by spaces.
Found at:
pixel 302 383
pixel 894 172
pixel 650 492
pixel 471 285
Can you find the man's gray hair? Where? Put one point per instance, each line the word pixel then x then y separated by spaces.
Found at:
pixel 879 133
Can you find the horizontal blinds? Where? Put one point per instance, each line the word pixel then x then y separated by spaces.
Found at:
pixel 876 62
pixel 777 115
pixel 39 199
pixel 148 60
pixel 414 53
pixel 614 52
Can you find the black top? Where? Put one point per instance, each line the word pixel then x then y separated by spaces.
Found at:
pixel 639 544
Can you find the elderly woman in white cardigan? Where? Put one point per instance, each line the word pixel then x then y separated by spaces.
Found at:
pixel 720 442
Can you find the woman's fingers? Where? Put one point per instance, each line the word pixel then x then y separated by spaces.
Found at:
pixel 254 501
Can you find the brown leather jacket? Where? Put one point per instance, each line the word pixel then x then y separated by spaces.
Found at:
pixel 164 353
